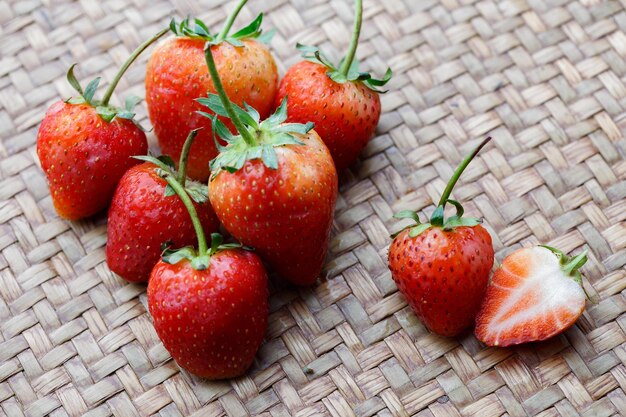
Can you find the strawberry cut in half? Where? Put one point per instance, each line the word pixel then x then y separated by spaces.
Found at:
pixel 535 294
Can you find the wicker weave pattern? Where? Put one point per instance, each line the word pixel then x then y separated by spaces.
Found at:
pixel 544 78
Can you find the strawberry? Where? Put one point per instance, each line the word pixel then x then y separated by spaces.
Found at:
pixel 176 74
pixel 442 267
pixel 144 215
pixel 273 186
pixel 85 145
pixel 343 103
pixel 535 294
pixel 209 305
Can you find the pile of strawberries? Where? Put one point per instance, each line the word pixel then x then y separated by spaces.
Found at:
pixel 270 152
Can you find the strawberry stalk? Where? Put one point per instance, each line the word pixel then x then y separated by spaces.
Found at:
pixel 229 22
pixel 437 219
pixel 195 220
pixel 109 92
pixel 177 181
pixel 219 87
pixel 354 42
pixel 348 68
pixel 184 157
pixel 201 258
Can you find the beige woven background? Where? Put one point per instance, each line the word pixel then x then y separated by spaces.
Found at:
pixel 545 78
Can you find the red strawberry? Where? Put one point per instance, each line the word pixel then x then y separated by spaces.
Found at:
pixel 273 187
pixel 85 146
pixel 176 74
pixel 144 215
pixel 442 267
pixel 342 102
pixel 535 294
pixel 209 306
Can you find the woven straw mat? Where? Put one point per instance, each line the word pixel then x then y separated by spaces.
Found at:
pixel 546 79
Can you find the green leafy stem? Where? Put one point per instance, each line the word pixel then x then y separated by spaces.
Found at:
pixel 165 167
pixel 187 191
pixel 197 29
pixel 256 139
pixel 437 219
pixel 103 108
pixel 348 68
pixel 201 258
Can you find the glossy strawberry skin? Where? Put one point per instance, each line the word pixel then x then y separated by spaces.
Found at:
pixel 345 115
pixel 141 218
pixel 285 214
pixel 84 157
pixel 443 275
pixel 177 74
pixel 211 321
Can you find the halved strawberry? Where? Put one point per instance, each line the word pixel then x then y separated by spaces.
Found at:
pixel 535 294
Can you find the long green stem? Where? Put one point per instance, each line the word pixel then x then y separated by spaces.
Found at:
pixel 354 42
pixel 178 188
pixel 184 156
pixel 229 22
pixel 459 171
pixel 129 61
pixel 215 77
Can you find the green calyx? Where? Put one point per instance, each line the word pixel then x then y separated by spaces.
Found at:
pixel 197 29
pixel 438 219
pixel 266 135
pixel 256 139
pixel 348 68
pixel 199 260
pixel 570 265
pixel 198 191
pixel 105 110
pixel 165 167
pixel 313 54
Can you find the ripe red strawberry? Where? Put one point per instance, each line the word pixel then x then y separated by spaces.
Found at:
pixel 442 267
pixel 209 306
pixel 176 74
pixel 85 146
pixel 273 187
pixel 535 294
pixel 342 102
pixel 144 215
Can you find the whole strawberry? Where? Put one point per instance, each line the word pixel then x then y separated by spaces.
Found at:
pixel 145 214
pixel 273 186
pixel 85 145
pixel 442 267
pixel 342 102
pixel 209 306
pixel 176 74
pixel 535 294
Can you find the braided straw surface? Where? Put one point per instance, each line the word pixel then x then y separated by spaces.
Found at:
pixel 545 78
